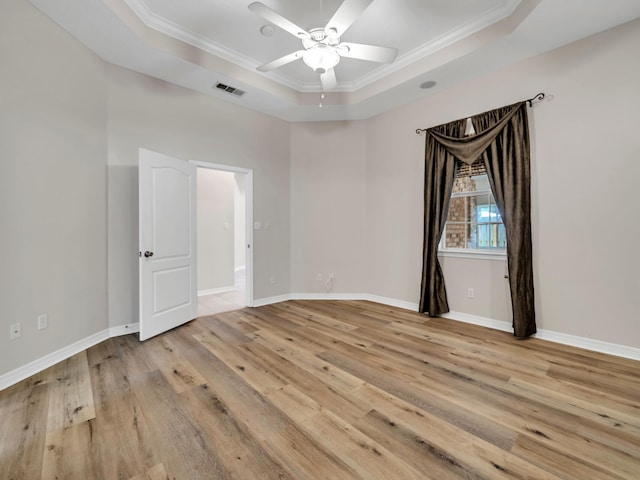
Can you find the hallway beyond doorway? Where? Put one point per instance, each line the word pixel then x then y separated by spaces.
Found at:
pixel 224 302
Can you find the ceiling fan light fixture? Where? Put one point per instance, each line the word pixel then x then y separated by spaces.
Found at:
pixel 321 57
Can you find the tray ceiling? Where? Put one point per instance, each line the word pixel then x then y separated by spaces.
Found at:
pixel 200 43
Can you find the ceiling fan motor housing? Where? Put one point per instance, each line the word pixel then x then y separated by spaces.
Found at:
pixel 320 35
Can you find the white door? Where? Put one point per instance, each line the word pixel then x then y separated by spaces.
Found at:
pixel 167 206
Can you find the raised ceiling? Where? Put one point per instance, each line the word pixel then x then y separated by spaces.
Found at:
pixel 200 43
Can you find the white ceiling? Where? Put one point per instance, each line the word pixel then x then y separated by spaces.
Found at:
pixel 199 43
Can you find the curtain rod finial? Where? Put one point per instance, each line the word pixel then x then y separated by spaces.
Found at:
pixel 537 98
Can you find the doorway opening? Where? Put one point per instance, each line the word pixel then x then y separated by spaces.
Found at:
pixel 224 218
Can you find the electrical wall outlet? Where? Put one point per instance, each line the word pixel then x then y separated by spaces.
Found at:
pixel 43 321
pixel 319 277
pixel 15 331
pixel 470 293
pixel 272 279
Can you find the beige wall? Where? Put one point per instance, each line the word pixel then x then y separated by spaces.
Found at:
pixel 53 152
pixel 328 206
pixel 215 229
pixel 585 168
pixel 152 114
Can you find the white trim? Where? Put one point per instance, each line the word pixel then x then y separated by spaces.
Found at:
pixel 393 302
pixel 213 291
pixel 477 320
pixel 551 336
pixel 590 344
pixel 328 296
pixel 337 296
pixel 261 302
pixel 499 255
pixel 124 329
pixel 37 366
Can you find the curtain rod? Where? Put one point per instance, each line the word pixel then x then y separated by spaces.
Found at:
pixel 536 98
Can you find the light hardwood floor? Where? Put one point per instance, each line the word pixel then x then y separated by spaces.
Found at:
pixel 325 390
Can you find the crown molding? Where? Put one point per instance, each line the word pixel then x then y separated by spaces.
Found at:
pixel 172 29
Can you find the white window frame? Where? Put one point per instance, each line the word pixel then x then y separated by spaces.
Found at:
pixel 485 254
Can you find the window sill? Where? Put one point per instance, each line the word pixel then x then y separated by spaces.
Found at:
pixel 477 254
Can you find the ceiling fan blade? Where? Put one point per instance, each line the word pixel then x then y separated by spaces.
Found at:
pixel 279 62
pixel 328 79
pixel 371 53
pixel 346 14
pixel 278 20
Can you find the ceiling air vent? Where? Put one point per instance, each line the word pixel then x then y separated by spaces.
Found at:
pixel 228 89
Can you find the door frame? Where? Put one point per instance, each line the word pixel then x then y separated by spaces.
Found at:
pixel 248 220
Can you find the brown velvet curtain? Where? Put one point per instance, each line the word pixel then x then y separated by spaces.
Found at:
pixel 440 172
pixel 503 143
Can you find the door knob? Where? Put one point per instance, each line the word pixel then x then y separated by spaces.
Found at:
pixel 148 254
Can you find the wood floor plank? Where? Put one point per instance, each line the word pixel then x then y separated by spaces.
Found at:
pixel 363 454
pixel 178 371
pixel 157 472
pixel 240 384
pixel 23 430
pixel 231 440
pixel 325 389
pixel 314 364
pixel 187 454
pixel 472 454
pixel 306 458
pixel 560 464
pixel 65 454
pixel 339 402
pixel 71 408
pixel 410 447
pixel 426 401
pixel 119 420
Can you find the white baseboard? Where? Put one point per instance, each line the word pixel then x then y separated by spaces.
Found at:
pixel 308 296
pixel 214 291
pixel 51 359
pixel 337 296
pixel 328 296
pixel 590 344
pixel 392 302
pixel 261 302
pixel 551 336
pixel 476 320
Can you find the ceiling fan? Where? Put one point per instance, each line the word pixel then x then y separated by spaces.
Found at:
pixel 322 46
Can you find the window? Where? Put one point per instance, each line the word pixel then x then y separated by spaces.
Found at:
pixel 473 223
